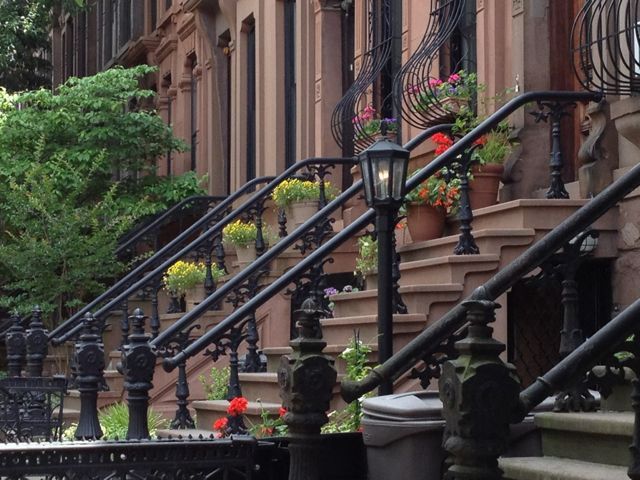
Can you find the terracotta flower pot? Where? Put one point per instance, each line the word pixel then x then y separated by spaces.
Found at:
pixel 425 222
pixel 483 189
pixel 246 254
pixel 194 296
pixel 298 213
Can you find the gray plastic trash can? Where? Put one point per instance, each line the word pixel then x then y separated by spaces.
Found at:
pixel 403 436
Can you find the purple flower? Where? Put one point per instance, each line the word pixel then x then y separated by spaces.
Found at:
pixel 330 291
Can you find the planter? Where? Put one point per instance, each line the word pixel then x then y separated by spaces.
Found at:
pixel 246 254
pixel 425 222
pixel 194 296
pixel 298 213
pixel 371 281
pixel 483 189
pixel 453 104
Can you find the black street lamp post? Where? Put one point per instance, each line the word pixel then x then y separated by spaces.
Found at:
pixel 384 172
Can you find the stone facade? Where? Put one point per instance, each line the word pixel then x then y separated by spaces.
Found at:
pixel 251 86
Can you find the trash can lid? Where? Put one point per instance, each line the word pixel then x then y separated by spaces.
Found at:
pixel 404 407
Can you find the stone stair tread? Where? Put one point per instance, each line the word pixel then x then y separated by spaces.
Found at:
pixel 602 423
pixel 406 317
pixel 338 348
pixel 451 259
pixel 265 377
pixel 427 287
pixel 554 468
pixel 477 234
pixel 253 408
pixel 108 394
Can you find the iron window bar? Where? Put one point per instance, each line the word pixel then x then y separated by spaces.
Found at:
pixel 415 83
pixel 605 43
pixel 373 62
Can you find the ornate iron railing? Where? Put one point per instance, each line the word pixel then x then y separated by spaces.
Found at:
pixel 606 46
pixel 415 86
pixel 347 118
pixel 147 234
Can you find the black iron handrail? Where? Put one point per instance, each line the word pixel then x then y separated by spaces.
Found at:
pixel 577 363
pixel 442 160
pixel 159 220
pixel 59 337
pixel 140 269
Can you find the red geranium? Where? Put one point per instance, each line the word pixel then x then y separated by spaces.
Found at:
pixel 237 406
pixel 282 411
pixel 220 424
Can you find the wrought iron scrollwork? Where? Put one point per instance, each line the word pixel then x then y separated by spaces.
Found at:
pixel 432 364
pixel 414 86
pixel 605 41
pixel 372 63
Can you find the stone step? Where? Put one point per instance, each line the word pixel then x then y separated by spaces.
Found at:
pixel 417 298
pixel 451 269
pixel 184 433
pixel 594 436
pixel 338 331
pixel 553 468
pixel 490 240
pixel 275 353
pixel 264 387
pixel 208 411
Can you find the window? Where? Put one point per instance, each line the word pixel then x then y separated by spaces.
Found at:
pixel 290 81
pixel 459 53
pixel 194 113
pixel 251 100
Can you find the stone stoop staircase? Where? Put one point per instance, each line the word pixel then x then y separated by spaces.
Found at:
pixel 577 446
pixel 433 281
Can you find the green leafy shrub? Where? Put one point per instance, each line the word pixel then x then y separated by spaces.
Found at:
pixel 367 259
pixel 216 386
pixel 348 419
pixel 114 422
pixel 77 170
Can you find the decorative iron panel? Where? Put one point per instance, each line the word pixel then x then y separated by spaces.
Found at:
pixel 172 459
pixel 606 46
pixel 415 85
pixel 372 64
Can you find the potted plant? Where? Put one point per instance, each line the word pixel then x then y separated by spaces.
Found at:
pixel 187 278
pixel 453 95
pixel 299 198
pixel 368 124
pixel 367 261
pixel 428 204
pixel 242 235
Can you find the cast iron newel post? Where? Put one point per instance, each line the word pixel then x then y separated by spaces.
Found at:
pixel 89 363
pixel 37 344
pixel 479 394
pixel 466 243
pixel 556 163
pixel 138 364
pixel 306 380
pixel 15 343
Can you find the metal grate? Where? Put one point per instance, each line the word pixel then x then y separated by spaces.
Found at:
pixel 606 46
pixel 415 82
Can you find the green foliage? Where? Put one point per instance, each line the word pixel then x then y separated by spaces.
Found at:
pixel 216 386
pixel 367 259
pixel 183 276
pixel 77 170
pixel 348 419
pixel 270 425
pixel 114 421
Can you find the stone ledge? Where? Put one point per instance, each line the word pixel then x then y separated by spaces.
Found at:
pixel 553 468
